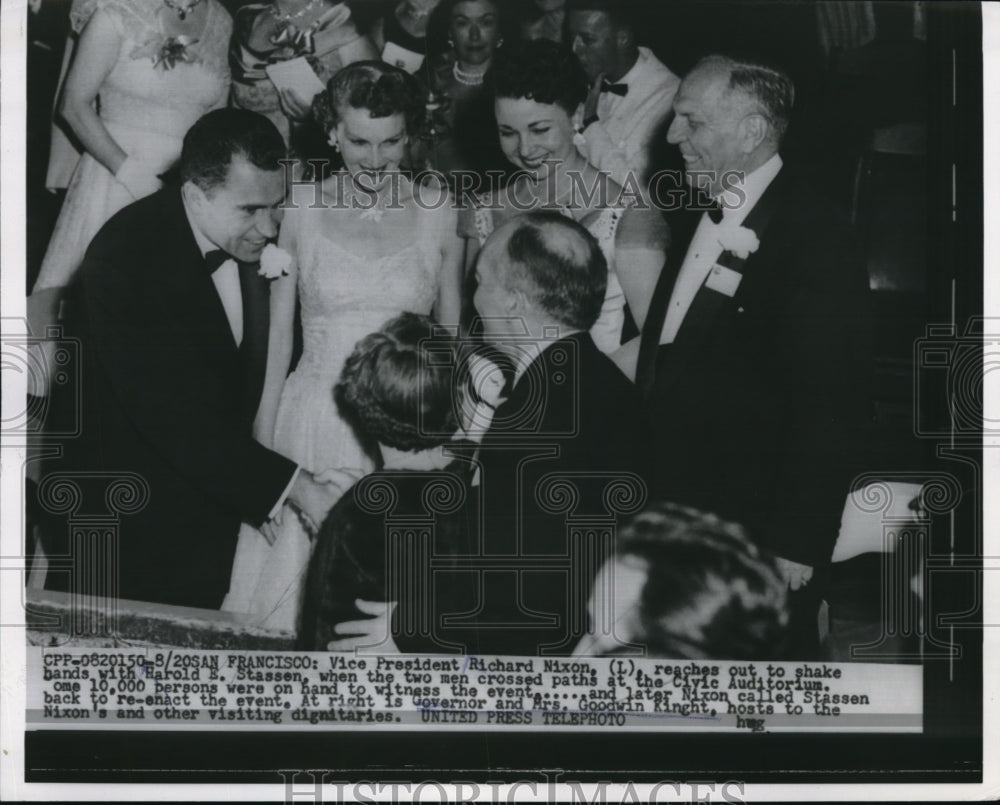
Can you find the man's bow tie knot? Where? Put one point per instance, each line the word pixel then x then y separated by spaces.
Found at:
pixel 617 89
pixel 214 260
pixel 715 212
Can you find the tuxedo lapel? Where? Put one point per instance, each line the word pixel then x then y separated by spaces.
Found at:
pixel 255 291
pixel 188 264
pixel 206 314
pixel 709 304
pixel 625 116
pixel 664 365
pixel 682 227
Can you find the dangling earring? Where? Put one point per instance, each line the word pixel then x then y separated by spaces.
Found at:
pixel 500 43
pixel 334 144
pixel 451 43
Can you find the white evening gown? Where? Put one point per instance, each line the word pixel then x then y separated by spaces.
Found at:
pixel 147 108
pixel 344 297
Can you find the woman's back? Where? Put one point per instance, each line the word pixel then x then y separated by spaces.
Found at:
pixel 377 544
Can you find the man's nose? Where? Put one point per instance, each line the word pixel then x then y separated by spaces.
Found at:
pixel 268 222
pixel 577 45
pixel 674 132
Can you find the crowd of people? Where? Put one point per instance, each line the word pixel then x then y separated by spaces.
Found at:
pixel 417 362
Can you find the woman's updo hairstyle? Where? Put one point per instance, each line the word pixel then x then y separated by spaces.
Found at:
pixel 399 385
pixel 541 71
pixel 380 88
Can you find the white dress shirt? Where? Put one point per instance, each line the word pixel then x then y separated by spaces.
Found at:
pixel 706 247
pixel 620 141
pixel 227 284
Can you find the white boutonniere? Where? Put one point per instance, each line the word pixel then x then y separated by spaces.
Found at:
pixel 274 262
pixel 740 241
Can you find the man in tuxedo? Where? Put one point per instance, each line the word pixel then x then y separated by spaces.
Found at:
pixel 564 448
pixel 754 356
pixel 175 330
pixel 628 106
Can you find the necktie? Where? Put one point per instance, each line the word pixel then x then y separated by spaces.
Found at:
pixel 617 89
pixel 214 260
pixel 715 213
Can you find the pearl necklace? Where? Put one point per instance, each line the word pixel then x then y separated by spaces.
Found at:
pixel 467 77
pixel 181 10
pixel 285 17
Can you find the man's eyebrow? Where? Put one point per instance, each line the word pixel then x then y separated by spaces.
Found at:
pixel 255 207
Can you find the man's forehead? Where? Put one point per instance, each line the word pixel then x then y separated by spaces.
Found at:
pixel 590 20
pixel 245 177
pixel 706 86
pixel 492 250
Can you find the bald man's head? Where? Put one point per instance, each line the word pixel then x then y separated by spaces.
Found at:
pixel 555 262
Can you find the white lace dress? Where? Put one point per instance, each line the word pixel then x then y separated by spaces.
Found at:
pixel 146 108
pixel 344 297
pixel 607 330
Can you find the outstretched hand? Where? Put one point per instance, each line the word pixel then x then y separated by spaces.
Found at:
pixel 294 105
pixel 794 574
pixel 372 633
pixel 313 498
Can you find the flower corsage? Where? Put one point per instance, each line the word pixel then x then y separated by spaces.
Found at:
pixel 740 241
pixel 166 53
pixel 274 262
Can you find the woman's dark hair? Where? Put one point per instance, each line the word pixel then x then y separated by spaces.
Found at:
pixel 541 71
pixel 399 385
pixel 218 137
pixel 439 26
pixel 709 593
pixel 380 88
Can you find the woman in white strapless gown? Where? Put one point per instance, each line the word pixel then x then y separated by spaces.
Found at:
pixel 359 259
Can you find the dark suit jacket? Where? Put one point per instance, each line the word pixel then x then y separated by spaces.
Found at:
pixel 564 454
pixel 166 396
pixel 757 414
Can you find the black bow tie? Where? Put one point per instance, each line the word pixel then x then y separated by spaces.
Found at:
pixel 715 213
pixel 214 260
pixel 617 89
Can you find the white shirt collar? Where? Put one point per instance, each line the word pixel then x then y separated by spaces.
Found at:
pixel 753 187
pixel 633 73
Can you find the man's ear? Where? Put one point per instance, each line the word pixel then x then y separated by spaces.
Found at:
pixel 193 195
pixel 518 303
pixel 754 130
pixel 624 37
